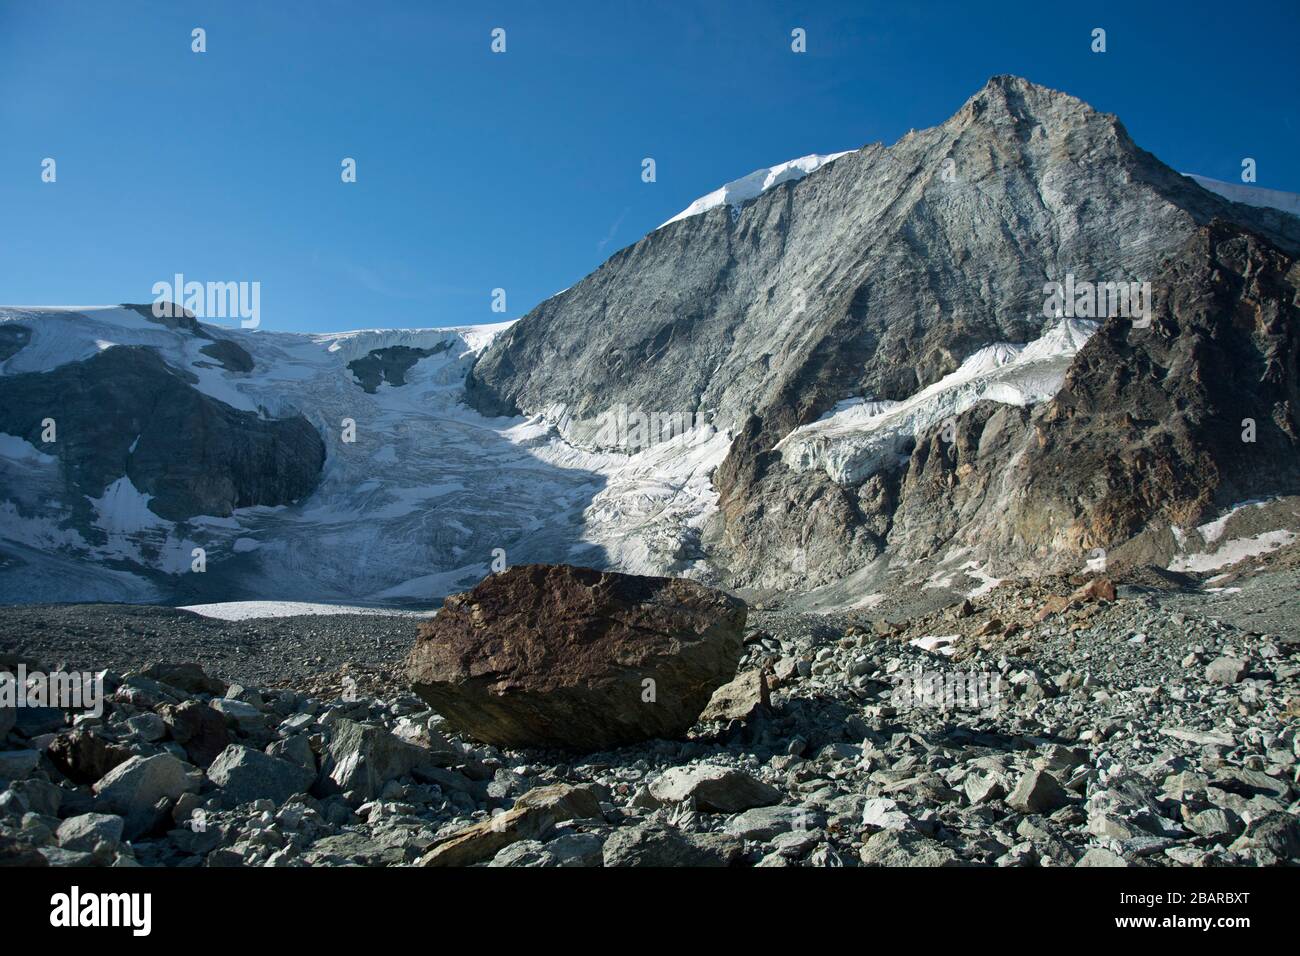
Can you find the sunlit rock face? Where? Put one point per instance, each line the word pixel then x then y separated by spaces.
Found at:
pixel 833 325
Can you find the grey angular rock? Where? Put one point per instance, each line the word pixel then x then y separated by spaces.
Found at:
pixel 794 844
pixel 245 775
pixel 18 764
pixel 1038 792
pixel 249 695
pixel 738 698
pixel 900 848
pixel 1216 824
pixel 361 758
pixel 358 849
pixel 1099 856
pixel 667 846
pixel 85 832
pixel 981 788
pixel 764 824
pixel 420 734
pixel 39 795
pixel 295 749
pixel 1181 786
pixel 882 813
pixel 570 850
pixel 1046 840
pixel 1225 670
pixel 57 856
pixel 1275 833
pixel 1248 783
pixel 239 714
pixel 715 789
pixel 133 789
pixel 148 727
pixel 451 781
pixel 1201 737
pixel 825 855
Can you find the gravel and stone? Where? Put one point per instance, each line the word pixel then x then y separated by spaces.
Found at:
pixel 1153 729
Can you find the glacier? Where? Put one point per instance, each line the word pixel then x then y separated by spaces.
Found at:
pixel 411 510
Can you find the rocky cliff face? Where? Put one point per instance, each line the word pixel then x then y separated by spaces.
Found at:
pixel 1153 429
pixel 876 277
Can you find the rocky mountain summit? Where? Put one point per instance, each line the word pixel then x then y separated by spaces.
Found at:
pixel 872 280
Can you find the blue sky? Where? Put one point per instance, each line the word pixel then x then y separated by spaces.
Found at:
pixel 522 170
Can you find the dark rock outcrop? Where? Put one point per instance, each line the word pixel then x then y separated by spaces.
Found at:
pixel 126 412
pixel 188 676
pixel 198 728
pixel 84 757
pixel 179 318
pixel 229 355
pixel 389 365
pixel 13 337
pixel 552 655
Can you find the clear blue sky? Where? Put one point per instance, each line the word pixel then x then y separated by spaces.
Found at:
pixel 522 170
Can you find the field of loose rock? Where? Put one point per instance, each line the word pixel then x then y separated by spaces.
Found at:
pixel 1145 725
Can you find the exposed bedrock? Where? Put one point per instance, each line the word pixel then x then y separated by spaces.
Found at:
pixel 125 412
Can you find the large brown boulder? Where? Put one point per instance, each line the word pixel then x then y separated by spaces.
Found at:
pixel 557 656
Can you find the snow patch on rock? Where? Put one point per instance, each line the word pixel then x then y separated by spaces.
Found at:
pixel 853 442
pixel 1230 552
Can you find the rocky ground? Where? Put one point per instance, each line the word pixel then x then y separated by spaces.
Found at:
pixel 122 637
pixel 1157 728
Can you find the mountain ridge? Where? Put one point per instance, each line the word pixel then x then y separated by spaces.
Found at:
pixel 1041 185
pixel 773 327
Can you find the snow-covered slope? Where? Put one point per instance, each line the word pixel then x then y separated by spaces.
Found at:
pixel 1251 195
pixel 411 509
pixel 861 437
pixel 739 191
